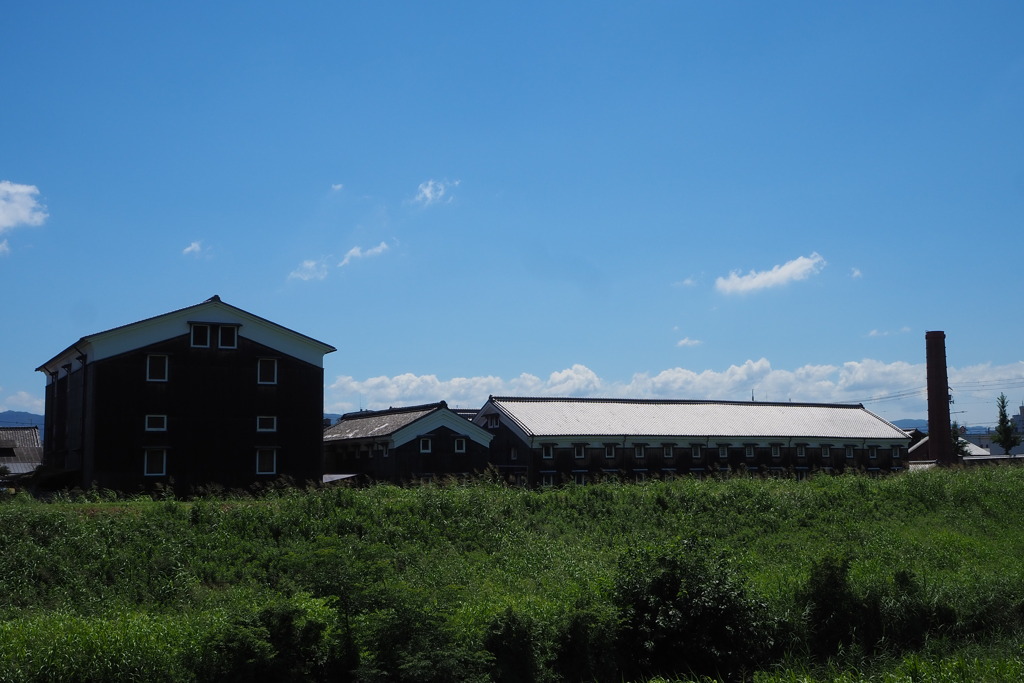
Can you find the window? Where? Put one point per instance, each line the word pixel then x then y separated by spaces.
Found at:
pixel 156 423
pixel 849 452
pixel 895 452
pixel 825 451
pixel 580 478
pixel 547 479
pixel 201 336
pixel 748 451
pixel 228 337
pixel 801 451
pixel 640 476
pixel 723 452
pixel 266 423
pixel 580 450
pixel 266 372
pixel 460 445
pixel 695 451
pixel 266 461
pixel 513 454
pixel 492 421
pixel 425 445
pixel 609 450
pixel 154 462
pixel 156 368
pixel 668 450
pixel 639 451
pixel 381 449
pixel 873 452
pixel 548 451
pixel 776 451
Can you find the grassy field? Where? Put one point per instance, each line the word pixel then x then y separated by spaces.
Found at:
pixel 914 577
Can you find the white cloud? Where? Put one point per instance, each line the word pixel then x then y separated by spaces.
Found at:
pixel 434 192
pixel 194 248
pixel 886 333
pixel 687 282
pixel 686 341
pixel 4 248
pixel 309 270
pixel 18 206
pixel 855 273
pixel 893 390
pixel 359 252
pixel 24 401
pixel 337 187
pixel 799 268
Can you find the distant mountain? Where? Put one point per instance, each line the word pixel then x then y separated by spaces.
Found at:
pixel 912 424
pixel 14 418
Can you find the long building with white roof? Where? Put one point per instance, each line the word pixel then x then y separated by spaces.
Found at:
pixel 544 441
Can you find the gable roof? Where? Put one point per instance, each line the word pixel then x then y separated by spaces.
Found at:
pixel 597 417
pixel 401 425
pixel 22 444
pixel 142 333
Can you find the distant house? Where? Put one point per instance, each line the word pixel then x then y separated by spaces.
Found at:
pixel 406 444
pixel 545 441
pixel 208 394
pixel 20 452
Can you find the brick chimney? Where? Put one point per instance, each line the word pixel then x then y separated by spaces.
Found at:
pixel 940 440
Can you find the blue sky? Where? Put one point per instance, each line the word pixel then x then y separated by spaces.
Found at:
pixel 660 199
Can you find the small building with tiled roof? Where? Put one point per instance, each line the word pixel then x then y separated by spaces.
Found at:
pixel 407 444
pixel 20 452
pixel 206 395
pixel 557 440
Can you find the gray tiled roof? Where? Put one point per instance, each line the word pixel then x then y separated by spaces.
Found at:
pixel 24 443
pixel 377 423
pixel 648 418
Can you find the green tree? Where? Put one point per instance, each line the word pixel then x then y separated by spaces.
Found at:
pixel 1005 436
pixel 960 446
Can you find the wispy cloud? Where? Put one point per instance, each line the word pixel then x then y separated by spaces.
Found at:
pixel 4 248
pixel 886 333
pixel 359 252
pixel 434 192
pixel 855 273
pixel 337 187
pixel 19 206
pixel 799 268
pixel 687 282
pixel 309 270
pixel 686 341
pixel 195 249
pixel 22 400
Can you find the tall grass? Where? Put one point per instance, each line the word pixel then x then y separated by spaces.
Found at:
pixel 483 582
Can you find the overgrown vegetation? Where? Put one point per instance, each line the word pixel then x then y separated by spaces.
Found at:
pixel 912 577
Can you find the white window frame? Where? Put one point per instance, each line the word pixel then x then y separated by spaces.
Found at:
pixel 272 452
pixel 547 478
pixel 801 451
pixel 150 360
pixel 426 444
pixel 872 452
pixel 460 445
pixel 209 335
pixel 492 421
pixel 776 451
pixel 897 452
pixel 162 453
pixel 849 453
pixel 260 373
pixel 668 451
pixel 723 452
pixel 639 451
pixel 547 451
pixel 609 450
pixel 826 451
pixel 513 453
pixel 381 448
pixel 579 478
pixel 579 451
pixel 695 452
pixel 234 337
pixel 156 423
pixel 263 427
pixel 749 452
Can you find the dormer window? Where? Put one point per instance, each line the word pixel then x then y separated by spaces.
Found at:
pixel 200 336
pixel 228 337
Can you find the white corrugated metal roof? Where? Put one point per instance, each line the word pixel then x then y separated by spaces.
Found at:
pixel 610 417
